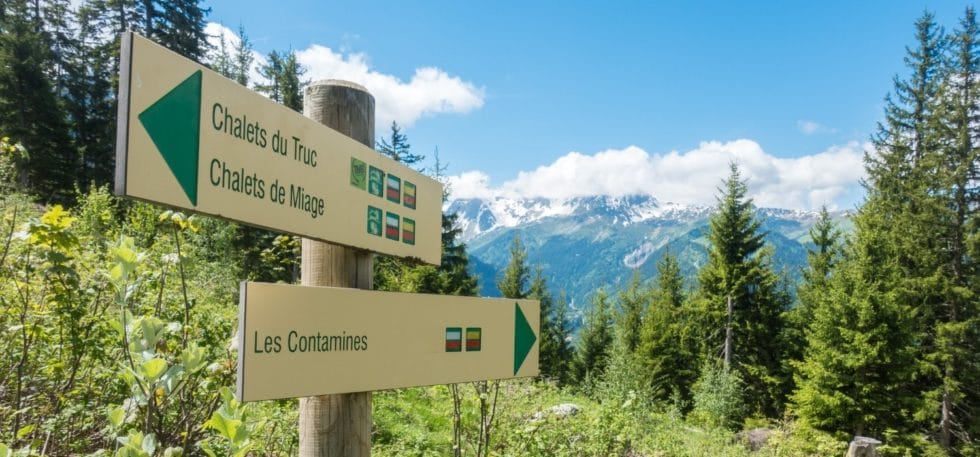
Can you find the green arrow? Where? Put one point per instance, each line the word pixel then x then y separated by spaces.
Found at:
pixel 174 124
pixel 523 338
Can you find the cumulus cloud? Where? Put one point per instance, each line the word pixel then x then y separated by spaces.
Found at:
pixel 831 177
pixel 430 91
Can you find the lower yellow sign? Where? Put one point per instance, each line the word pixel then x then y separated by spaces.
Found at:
pixel 299 341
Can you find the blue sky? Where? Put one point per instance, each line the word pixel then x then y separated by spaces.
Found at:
pixel 562 98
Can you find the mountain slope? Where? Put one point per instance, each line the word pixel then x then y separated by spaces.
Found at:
pixel 590 242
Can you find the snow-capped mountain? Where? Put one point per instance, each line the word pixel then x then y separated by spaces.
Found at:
pixel 585 243
pixel 478 216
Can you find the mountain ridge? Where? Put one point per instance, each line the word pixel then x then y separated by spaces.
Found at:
pixel 583 243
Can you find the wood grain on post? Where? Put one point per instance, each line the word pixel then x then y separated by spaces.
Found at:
pixel 337 425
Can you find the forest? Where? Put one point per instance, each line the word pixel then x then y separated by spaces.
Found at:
pixel 117 317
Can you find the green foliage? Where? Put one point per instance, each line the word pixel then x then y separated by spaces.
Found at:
pixel 718 397
pixel 666 348
pixel 633 302
pixel 397 148
pixel 595 341
pixel 30 110
pixel 116 342
pixel 859 362
pixel 514 282
pixel 739 268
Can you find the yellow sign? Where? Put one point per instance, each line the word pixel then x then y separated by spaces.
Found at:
pixel 192 139
pixel 298 341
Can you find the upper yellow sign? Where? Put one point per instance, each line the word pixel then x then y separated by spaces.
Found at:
pixel 192 139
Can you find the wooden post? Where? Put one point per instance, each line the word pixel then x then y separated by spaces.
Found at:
pixel 337 425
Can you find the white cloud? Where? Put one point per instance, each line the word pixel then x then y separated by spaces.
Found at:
pixel 808 127
pixel 430 91
pixel 693 177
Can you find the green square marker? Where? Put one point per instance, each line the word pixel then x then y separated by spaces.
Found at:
pixel 391 226
pixel 374 221
pixel 376 182
pixel 454 339
pixel 358 174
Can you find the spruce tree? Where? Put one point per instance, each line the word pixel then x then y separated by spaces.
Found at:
pixel 179 25
pixel 633 302
pixel 30 111
pixel 564 352
pixel 665 349
pixel 595 341
pixel 514 281
pixel 822 258
pixel 859 361
pixel 950 207
pixel 243 58
pixel 396 146
pixel 739 269
pixel 550 348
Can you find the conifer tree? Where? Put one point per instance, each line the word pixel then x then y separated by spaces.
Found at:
pixel 179 25
pixel 859 362
pixel 665 350
pixel 822 259
pixel 633 303
pixel 243 57
pixel 739 269
pixel 396 146
pixel 514 282
pixel 30 111
pixel 550 338
pixel 564 351
pixel 595 341
pixel 950 207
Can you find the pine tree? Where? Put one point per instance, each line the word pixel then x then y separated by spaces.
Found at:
pixel 514 283
pixel 739 269
pixel 633 302
pixel 595 341
pixel 665 350
pixel 397 147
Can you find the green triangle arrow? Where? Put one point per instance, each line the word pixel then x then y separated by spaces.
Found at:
pixel 523 338
pixel 174 124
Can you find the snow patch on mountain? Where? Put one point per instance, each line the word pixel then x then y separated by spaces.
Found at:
pixel 479 216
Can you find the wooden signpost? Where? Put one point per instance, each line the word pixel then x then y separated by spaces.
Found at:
pixel 191 139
